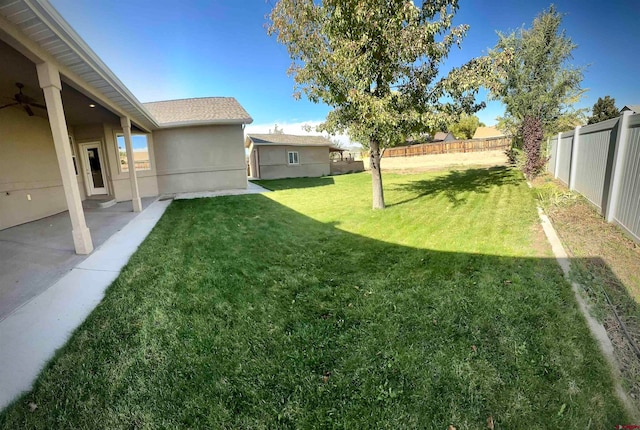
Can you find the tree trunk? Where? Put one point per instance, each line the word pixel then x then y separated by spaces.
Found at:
pixel 376 175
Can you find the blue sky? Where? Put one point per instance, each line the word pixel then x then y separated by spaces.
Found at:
pixel 167 49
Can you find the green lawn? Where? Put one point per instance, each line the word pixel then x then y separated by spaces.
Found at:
pixel 303 308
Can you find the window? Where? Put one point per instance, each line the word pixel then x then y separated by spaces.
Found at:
pixel 293 157
pixel 140 152
pixel 73 155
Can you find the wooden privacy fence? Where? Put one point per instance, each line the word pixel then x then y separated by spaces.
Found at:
pixel 455 146
pixel 602 162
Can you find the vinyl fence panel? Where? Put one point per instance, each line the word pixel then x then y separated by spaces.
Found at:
pixel 593 161
pixel 628 208
pixel 553 155
pixel 564 157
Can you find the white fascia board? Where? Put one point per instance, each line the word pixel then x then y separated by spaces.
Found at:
pixel 50 17
pixel 180 124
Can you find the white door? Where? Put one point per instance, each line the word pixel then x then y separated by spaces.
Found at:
pixel 93 168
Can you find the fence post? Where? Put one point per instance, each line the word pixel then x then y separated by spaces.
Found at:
pixel 548 154
pixel 618 160
pixel 555 171
pixel 573 167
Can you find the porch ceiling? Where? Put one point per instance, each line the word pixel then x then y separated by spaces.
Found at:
pixel 36 29
pixel 18 68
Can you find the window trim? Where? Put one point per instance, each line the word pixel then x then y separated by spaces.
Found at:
pixel 74 158
pixel 119 160
pixel 296 158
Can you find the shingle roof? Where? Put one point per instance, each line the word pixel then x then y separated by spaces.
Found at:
pixel 440 135
pixel 486 132
pixel 286 139
pixel 206 110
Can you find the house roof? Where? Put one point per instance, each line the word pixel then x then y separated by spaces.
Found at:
pixel 40 33
pixel 632 108
pixel 198 111
pixel 286 139
pixel 442 135
pixel 486 132
pixel 53 38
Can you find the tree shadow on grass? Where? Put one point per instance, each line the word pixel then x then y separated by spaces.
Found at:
pixel 240 312
pixel 457 182
pixel 294 183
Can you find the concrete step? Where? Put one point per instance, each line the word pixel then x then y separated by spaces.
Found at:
pixel 98 202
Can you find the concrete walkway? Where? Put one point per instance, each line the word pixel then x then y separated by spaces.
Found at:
pixel 251 189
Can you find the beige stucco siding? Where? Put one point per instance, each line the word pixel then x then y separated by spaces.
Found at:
pixel 28 168
pixel 274 163
pixel 200 158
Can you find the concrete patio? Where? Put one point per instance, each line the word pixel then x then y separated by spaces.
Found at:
pixel 33 256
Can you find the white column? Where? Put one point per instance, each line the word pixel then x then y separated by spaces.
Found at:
pixel 574 159
pixel 555 173
pixel 618 159
pixel 133 179
pixel 49 79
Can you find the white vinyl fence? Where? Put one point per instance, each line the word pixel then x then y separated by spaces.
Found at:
pixel 602 162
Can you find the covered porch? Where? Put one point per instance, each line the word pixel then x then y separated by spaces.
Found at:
pixel 63 139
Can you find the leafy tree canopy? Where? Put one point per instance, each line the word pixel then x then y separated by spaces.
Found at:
pixel 604 109
pixel 538 86
pixel 465 127
pixel 539 81
pixel 376 63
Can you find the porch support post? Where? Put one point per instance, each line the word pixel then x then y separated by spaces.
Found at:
pixel 133 179
pixel 49 79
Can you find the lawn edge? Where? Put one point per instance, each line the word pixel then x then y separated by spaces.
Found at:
pixel 598 332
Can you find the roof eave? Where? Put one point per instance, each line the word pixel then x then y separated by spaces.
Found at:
pixel 317 145
pixel 54 21
pixel 179 124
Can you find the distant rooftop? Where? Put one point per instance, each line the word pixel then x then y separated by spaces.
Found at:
pixel 486 132
pixel 287 139
pixel 206 110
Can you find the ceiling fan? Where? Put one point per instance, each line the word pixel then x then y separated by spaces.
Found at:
pixel 23 100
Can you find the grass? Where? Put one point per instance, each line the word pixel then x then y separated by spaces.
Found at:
pixel 303 308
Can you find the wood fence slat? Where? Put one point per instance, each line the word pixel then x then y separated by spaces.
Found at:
pixel 491 144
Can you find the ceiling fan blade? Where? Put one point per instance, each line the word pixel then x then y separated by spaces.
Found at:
pixel 38 105
pixel 27 108
pixel 10 104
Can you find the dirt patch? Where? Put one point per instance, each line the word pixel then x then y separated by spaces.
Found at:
pixel 606 262
pixel 423 163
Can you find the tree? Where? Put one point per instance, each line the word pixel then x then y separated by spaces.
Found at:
pixel 376 64
pixel 539 86
pixel 276 130
pixel 465 127
pixel 603 110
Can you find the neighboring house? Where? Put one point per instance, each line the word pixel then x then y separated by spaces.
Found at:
pixel 487 132
pixel 70 129
pixel 442 136
pixel 275 156
pixel 632 108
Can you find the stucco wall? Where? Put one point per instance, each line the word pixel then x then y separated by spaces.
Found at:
pixel 274 164
pixel 338 167
pixel 202 158
pixel 28 167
